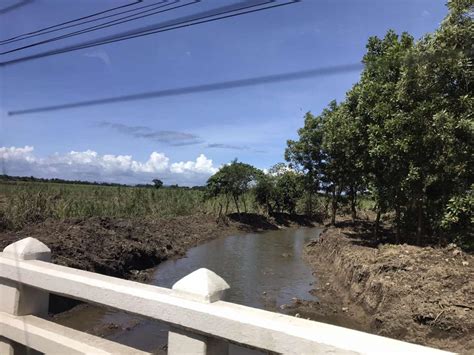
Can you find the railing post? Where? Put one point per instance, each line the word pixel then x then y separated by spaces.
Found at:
pixel 202 285
pixel 18 299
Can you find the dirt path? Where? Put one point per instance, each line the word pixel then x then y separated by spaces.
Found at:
pixel 421 295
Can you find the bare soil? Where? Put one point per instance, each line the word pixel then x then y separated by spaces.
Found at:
pixel 131 248
pixel 423 295
pixel 126 247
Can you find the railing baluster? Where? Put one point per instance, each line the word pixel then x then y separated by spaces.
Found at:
pixel 201 285
pixel 202 323
pixel 18 299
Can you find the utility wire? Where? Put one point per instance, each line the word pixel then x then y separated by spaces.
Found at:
pixel 148 30
pixel 75 20
pixel 103 25
pixel 163 24
pixel 268 79
pixel 8 41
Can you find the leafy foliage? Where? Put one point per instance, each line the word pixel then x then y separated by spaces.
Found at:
pixel 404 132
pixel 279 190
pixel 157 183
pixel 458 219
pixel 232 181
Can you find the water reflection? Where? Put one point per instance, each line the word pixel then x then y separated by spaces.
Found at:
pixel 264 271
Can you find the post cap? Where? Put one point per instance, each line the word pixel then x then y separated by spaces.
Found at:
pixel 202 285
pixel 28 249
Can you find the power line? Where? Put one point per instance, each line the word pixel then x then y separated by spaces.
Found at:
pixel 148 30
pixel 170 22
pixel 103 25
pixel 268 79
pixel 75 20
pixel 8 41
pixel 145 29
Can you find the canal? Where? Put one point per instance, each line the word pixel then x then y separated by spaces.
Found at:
pixel 264 270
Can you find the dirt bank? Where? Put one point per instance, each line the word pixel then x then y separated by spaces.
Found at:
pixel 421 295
pixel 125 247
pixel 130 248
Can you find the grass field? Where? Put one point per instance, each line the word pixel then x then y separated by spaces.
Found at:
pixel 30 202
pixel 23 202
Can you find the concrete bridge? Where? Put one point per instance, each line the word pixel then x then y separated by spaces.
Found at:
pixel 201 322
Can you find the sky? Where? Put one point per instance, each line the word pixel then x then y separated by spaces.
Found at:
pixel 184 138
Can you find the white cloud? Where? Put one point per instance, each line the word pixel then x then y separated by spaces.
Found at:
pixel 90 165
pixel 12 153
pixel 201 165
pixel 158 162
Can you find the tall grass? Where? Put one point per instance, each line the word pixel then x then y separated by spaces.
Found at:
pixel 23 203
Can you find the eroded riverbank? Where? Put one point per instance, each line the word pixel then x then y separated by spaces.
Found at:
pixel 421 295
pixel 125 247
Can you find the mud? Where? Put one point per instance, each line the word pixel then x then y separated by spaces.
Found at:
pixel 128 247
pixel 420 295
pixel 131 248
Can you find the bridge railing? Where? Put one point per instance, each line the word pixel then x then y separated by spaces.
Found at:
pixel 201 322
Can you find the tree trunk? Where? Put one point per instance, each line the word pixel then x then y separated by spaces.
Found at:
pixel 326 207
pixel 334 206
pixel 245 205
pixel 310 204
pixel 226 205
pixel 269 209
pixel 397 221
pixel 237 205
pixel 377 223
pixel 220 212
pixel 353 204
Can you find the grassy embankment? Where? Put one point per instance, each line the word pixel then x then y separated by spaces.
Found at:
pixel 23 203
pixel 118 230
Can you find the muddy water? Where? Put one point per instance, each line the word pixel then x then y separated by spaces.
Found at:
pixel 264 270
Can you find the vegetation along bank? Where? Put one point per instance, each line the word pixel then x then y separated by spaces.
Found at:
pixel 396 155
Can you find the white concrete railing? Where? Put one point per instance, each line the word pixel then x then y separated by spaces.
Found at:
pixel 201 323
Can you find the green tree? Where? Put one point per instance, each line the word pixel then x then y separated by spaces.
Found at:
pixel 405 132
pixel 343 147
pixel 265 192
pixel 158 183
pixel 436 92
pixel 307 156
pixel 279 190
pixel 385 158
pixel 458 219
pixel 288 191
pixel 232 181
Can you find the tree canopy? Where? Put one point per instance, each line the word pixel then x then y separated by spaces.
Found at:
pixel 404 132
pixel 232 181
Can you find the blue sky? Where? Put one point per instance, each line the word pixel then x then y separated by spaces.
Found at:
pixel 115 142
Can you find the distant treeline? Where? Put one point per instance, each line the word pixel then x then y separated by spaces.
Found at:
pixel 10 178
pixel 58 181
